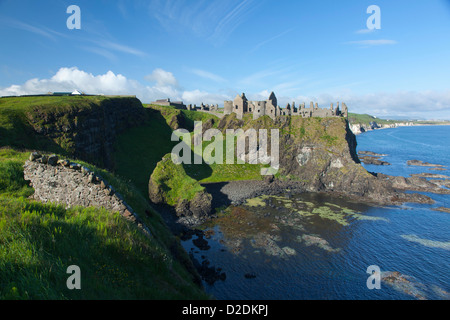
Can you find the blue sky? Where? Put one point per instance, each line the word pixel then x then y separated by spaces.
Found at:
pixel 209 51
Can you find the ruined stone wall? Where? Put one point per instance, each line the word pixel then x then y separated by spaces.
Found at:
pixel 228 107
pixel 70 184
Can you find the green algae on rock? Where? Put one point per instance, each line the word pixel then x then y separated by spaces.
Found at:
pixel 256 202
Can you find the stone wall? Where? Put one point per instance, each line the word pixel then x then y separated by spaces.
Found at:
pixel 70 184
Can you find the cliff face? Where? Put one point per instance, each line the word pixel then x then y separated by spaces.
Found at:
pixel 88 132
pixel 358 128
pixel 319 154
pixel 316 154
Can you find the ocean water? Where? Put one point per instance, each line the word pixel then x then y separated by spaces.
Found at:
pixel 315 246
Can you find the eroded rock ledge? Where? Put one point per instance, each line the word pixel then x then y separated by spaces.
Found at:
pixel 70 184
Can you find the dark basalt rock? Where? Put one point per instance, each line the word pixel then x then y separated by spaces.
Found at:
pixel 199 207
pixel 371 153
pixel 373 160
pixel 422 164
pixel 415 183
pixel 201 243
pixel 209 274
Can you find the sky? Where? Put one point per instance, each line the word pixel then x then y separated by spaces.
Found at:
pixel 211 50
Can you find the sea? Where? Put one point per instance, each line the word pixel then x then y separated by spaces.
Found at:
pixel 324 247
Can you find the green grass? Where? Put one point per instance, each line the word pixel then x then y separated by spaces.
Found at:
pixel 174 181
pixel 329 140
pixel 367 119
pixel 139 149
pixel 17 113
pixel 117 261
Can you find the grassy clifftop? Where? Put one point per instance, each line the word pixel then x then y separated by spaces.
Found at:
pixel 83 127
pixel 16 129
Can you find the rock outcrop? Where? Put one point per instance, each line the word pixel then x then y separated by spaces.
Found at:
pixel 169 184
pixel 198 208
pixel 319 154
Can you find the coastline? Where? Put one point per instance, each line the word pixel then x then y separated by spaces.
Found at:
pixel 358 128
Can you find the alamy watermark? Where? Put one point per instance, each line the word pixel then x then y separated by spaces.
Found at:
pixel 374 21
pixel 74 21
pixel 74 281
pixel 213 153
pixel 374 281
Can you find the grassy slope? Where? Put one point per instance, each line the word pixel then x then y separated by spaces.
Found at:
pixel 39 241
pixel 174 181
pixel 138 151
pixel 367 119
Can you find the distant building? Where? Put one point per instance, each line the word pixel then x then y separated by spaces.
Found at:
pixel 167 102
pixel 73 93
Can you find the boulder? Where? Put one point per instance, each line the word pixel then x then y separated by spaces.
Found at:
pixel 64 163
pixel 53 160
pixel 43 159
pixel 199 207
pixel 34 156
pixel 75 166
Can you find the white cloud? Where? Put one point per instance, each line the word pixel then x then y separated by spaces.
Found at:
pixel 365 31
pixel 412 104
pixel 39 30
pixel 70 79
pixel 162 78
pixel 198 96
pixel 214 20
pixel 259 45
pixel 119 47
pixel 207 75
pixel 379 42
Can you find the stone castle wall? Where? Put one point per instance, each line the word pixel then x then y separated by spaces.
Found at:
pixel 70 184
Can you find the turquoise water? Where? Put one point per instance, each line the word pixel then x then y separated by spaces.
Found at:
pixel 315 246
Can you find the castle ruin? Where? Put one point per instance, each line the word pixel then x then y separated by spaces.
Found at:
pixel 240 105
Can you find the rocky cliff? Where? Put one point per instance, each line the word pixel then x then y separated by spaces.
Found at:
pixel 316 155
pixel 358 128
pixel 87 130
pixel 319 154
